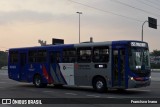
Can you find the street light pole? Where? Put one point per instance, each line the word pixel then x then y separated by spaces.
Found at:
pixel 142 28
pixel 79 24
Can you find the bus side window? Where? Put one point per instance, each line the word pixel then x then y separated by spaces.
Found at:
pixel 32 56
pixel 55 57
pixel 101 54
pixel 13 57
pixel 51 57
pixel 84 55
pixel 41 56
pixel 69 55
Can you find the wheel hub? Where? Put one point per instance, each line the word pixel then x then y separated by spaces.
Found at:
pixel 37 82
pixel 99 84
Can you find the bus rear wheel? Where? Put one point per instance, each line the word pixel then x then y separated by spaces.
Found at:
pixel 37 81
pixel 99 85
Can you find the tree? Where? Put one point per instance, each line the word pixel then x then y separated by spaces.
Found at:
pixel 155 53
pixel 3 58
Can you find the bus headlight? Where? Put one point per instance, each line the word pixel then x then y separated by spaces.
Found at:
pixel 150 77
pixel 132 78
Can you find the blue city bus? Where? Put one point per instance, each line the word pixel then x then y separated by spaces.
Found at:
pixel 112 64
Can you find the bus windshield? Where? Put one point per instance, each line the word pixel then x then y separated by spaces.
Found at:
pixel 139 59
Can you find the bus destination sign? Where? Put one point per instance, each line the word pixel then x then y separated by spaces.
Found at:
pixel 138 44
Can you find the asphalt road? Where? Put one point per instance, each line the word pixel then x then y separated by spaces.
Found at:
pixel 13 89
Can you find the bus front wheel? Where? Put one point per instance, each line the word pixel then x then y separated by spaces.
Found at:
pixel 99 84
pixel 37 81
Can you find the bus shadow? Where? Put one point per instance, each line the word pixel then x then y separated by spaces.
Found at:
pixel 132 92
pixel 88 90
pixel 109 91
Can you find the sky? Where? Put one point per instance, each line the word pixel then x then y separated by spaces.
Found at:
pixel 24 22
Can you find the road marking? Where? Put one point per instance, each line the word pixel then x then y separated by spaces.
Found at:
pixel 10 83
pixel 92 96
pixel 47 91
pixel 22 83
pixel 145 90
pixel 71 93
pixel 140 90
pixel 111 97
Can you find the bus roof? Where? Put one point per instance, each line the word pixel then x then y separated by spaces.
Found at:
pixel 79 45
pixel 44 47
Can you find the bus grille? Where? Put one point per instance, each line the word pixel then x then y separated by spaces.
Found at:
pixel 143 73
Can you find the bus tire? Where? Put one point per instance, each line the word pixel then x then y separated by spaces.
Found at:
pixel 99 84
pixel 37 81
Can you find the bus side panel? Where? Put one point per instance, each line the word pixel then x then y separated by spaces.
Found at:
pixel 85 72
pixel 82 71
pixel 40 69
pixel 13 72
pixel 109 69
pixel 56 74
pixel 104 70
pixel 67 70
pixel 13 68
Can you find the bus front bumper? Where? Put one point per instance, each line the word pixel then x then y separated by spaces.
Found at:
pixel 136 84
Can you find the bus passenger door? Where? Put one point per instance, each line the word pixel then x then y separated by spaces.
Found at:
pixel 22 73
pixel 118 68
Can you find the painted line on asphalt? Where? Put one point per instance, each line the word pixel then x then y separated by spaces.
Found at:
pixel 71 94
pixel 93 96
pixel 11 83
pixel 145 90
pixel 22 83
pixel 111 97
pixel 140 90
pixel 48 91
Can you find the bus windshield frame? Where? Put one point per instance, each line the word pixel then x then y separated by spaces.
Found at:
pixel 139 58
